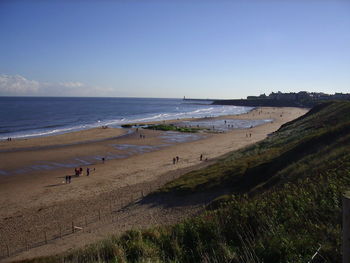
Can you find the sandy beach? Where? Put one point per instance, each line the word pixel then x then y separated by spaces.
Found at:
pixel 33 193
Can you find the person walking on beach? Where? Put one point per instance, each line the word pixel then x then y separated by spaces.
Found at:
pixel 80 171
pixel 201 157
pixel 177 159
pixel 87 171
pixel 66 179
pixel 103 160
pixel 69 178
pixel 174 160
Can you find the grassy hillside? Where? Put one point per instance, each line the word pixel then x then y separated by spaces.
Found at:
pixel 283 202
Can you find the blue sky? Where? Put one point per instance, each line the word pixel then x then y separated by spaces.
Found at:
pixel 201 49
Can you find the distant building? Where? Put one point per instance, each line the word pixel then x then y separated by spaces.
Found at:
pixel 302 96
pixel 262 96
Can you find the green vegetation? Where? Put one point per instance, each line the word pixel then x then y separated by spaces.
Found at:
pixel 162 127
pixel 282 201
pixel 128 126
pixel 171 127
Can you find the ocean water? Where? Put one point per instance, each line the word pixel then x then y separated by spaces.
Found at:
pixel 22 117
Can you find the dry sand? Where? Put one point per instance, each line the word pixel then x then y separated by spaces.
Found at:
pixel 37 203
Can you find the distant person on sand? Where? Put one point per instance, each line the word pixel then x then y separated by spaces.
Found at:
pixel 177 159
pixel 174 160
pixel 76 170
pixel 69 178
pixel 87 171
pixel 103 160
pixel 201 157
pixel 66 179
pixel 80 171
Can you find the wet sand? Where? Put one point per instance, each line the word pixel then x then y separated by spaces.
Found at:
pixel 37 198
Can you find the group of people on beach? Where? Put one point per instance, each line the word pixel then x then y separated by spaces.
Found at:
pixel 9 139
pixel 77 172
pixel 176 159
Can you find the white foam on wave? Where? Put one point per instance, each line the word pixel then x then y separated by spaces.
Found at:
pixel 40 133
pixel 212 111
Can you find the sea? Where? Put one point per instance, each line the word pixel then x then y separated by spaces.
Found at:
pixel 25 117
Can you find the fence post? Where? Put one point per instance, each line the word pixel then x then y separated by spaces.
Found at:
pixel 346 227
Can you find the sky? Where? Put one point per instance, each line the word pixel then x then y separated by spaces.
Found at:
pixel 170 49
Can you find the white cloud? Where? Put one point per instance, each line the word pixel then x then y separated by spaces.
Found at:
pixel 71 84
pixel 17 85
pixel 14 85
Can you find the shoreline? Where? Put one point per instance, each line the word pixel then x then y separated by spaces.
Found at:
pixel 17 135
pixel 64 139
pixel 98 136
pixel 93 134
pixel 35 200
pixel 43 147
